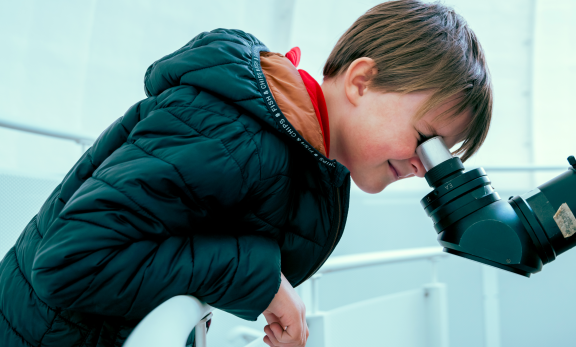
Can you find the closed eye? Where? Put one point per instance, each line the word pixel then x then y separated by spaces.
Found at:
pixel 423 138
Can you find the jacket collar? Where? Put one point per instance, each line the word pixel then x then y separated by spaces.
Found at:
pixel 292 97
pixel 335 170
pixel 316 96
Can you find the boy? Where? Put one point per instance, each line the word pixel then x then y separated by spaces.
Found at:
pixel 230 182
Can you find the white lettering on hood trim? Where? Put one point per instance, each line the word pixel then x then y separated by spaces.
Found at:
pixel 273 107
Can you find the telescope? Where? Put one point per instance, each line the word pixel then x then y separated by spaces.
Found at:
pixel 519 235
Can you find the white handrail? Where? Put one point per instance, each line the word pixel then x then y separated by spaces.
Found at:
pixel 81 139
pixel 170 324
pixel 346 262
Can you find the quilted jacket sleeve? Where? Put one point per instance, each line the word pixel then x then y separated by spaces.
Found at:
pixel 134 234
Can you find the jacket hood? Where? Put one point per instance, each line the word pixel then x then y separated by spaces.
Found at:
pixel 227 63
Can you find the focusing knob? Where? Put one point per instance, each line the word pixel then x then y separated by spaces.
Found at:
pixel 572 161
pixel 442 170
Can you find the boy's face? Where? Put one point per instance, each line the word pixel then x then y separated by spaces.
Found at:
pixel 375 134
pixel 377 140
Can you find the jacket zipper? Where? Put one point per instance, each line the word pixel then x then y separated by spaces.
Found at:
pixel 333 242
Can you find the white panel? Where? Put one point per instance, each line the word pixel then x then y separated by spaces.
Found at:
pixel 393 320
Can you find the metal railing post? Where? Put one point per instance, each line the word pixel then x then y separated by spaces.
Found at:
pixel 437 319
pixel 491 306
pixel 305 292
pixel 315 284
pixel 309 292
pixel 437 314
pixel 200 331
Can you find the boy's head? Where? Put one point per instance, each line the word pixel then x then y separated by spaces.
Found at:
pixel 404 71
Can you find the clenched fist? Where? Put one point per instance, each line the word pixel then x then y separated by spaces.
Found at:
pixel 286 317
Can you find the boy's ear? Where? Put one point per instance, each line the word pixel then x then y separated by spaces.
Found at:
pixel 357 78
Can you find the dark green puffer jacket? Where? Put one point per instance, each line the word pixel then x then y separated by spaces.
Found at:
pixel 198 189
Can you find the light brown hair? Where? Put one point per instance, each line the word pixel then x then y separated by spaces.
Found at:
pixel 420 46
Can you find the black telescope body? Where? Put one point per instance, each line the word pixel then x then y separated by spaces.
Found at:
pixel 518 235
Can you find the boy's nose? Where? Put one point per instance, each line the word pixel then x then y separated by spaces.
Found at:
pixel 417 167
pixel 409 167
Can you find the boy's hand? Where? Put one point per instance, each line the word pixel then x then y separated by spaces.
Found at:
pixel 286 311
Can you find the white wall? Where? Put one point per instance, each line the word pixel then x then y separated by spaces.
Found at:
pixel 79 65
pixel 554 76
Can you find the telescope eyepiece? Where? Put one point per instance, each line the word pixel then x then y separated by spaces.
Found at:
pixel 439 163
pixel 433 152
pixel 519 235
